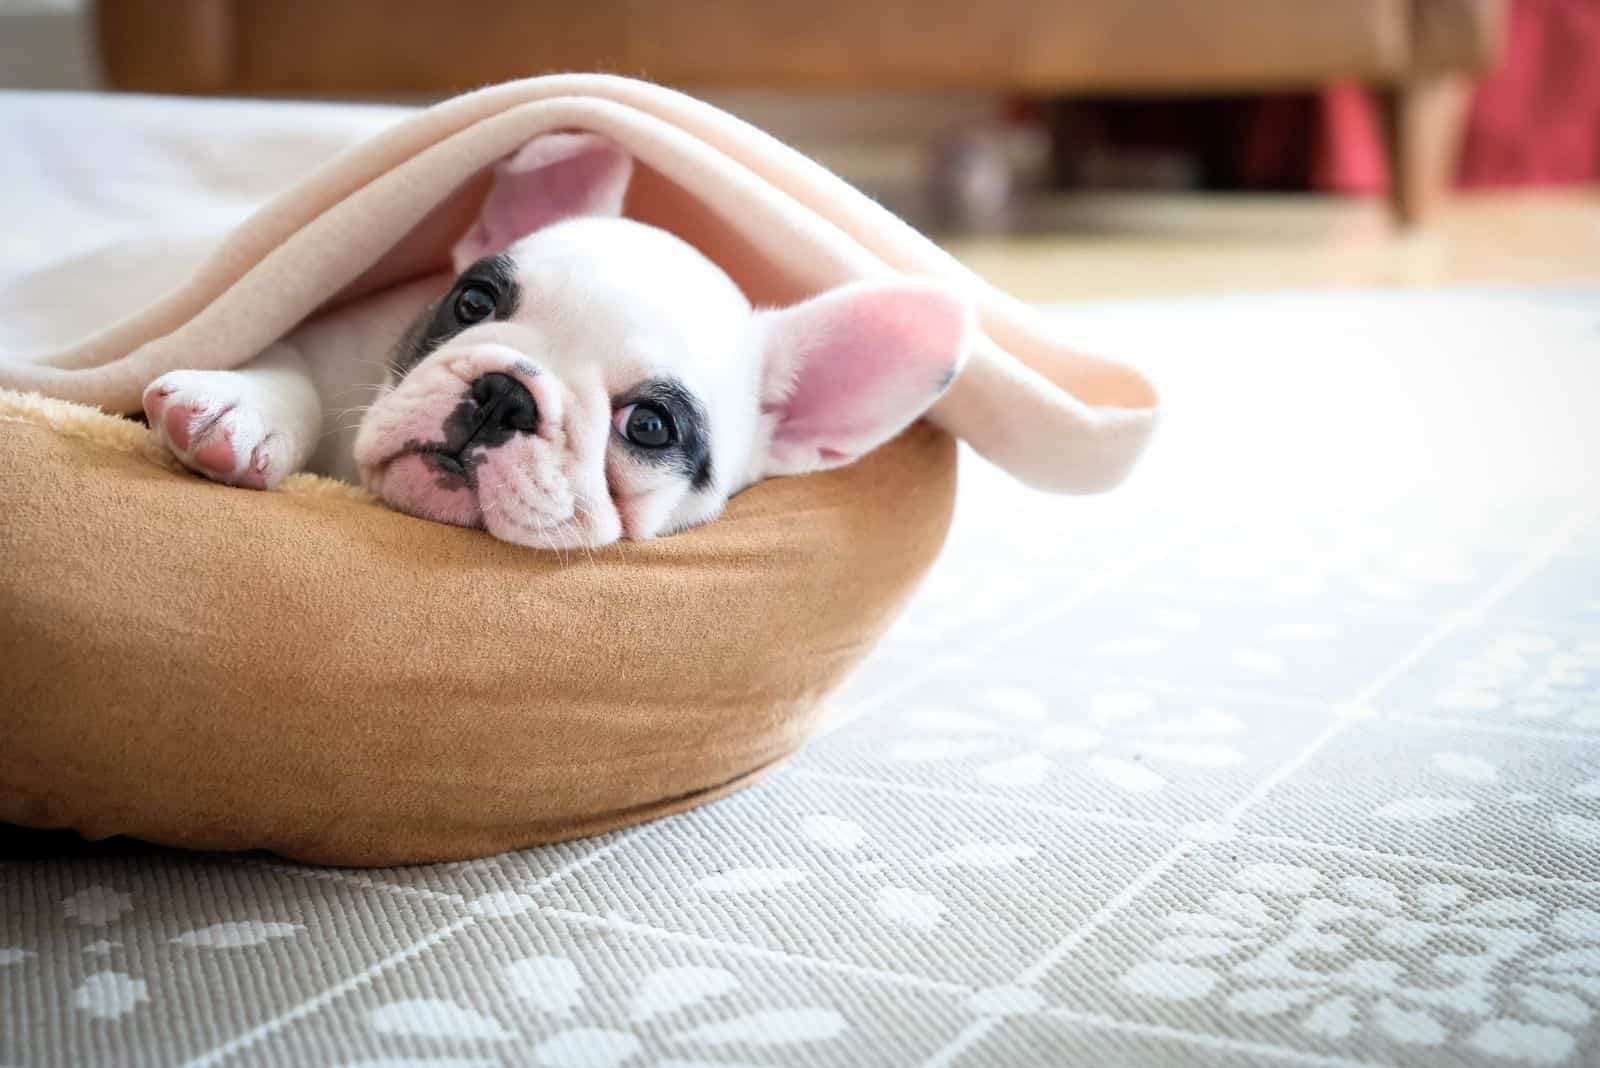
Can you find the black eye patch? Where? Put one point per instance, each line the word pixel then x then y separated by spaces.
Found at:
pixel 690 454
pixel 494 276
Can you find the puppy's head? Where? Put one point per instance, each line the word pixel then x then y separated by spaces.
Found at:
pixel 589 378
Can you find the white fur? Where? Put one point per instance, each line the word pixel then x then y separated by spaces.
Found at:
pixel 606 303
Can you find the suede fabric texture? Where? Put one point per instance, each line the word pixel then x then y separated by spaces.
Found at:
pixel 307 672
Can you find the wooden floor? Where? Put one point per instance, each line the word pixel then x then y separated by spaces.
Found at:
pixel 1116 245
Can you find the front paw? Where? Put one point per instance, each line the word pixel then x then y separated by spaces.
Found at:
pixel 215 430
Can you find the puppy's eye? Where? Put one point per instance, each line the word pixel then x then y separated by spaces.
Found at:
pixel 474 304
pixel 645 424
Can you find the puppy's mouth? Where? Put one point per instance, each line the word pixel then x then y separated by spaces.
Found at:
pixel 473 462
pixel 486 489
pixel 429 481
pixel 448 464
pixel 455 468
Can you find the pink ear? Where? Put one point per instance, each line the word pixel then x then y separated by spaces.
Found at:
pixel 550 178
pixel 850 369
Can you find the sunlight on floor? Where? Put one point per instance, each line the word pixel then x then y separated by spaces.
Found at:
pixel 1118 245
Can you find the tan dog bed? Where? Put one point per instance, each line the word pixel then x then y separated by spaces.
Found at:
pixel 307 672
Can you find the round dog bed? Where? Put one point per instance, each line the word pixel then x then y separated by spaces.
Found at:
pixel 307 672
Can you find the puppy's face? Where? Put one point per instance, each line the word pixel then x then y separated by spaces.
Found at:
pixel 590 382
pixel 589 378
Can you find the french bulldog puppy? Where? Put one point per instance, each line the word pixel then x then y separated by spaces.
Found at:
pixel 585 377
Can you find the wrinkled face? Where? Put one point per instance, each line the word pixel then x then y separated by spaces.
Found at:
pixel 589 378
pixel 599 379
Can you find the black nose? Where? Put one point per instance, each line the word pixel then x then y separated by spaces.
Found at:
pixel 504 406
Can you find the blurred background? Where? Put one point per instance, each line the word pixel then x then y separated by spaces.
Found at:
pixel 1064 148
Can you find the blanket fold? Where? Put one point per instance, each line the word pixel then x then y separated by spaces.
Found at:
pixel 387 210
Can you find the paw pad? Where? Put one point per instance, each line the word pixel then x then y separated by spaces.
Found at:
pixel 219 437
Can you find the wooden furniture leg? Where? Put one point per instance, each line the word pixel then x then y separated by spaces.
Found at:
pixel 1423 122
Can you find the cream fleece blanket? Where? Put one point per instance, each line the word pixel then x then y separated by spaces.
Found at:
pixel 387 209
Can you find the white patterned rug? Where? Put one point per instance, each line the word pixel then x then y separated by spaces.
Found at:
pixel 1287 753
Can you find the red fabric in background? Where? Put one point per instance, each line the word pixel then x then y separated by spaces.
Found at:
pixel 1534 121
pixel 1329 140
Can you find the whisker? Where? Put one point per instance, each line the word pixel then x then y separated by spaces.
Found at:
pixel 561 553
pixel 341 429
pixel 387 362
pixel 578 534
pixel 579 510
pixel 375 387
pixel 568 525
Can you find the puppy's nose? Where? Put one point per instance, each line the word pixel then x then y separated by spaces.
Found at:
pixel 505 405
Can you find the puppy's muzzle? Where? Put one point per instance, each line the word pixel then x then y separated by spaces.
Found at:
pixel 496 408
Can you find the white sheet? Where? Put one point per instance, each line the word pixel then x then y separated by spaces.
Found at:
pixel 159 179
